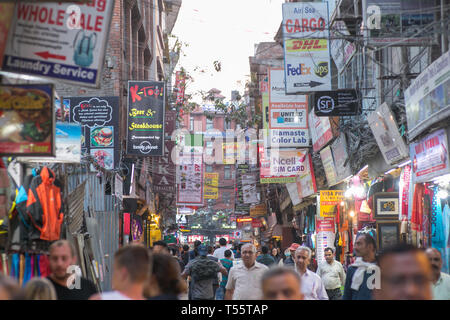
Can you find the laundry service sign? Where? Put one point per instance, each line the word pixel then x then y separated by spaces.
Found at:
pixel 63 41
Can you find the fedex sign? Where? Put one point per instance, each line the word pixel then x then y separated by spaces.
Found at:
pixel 300 69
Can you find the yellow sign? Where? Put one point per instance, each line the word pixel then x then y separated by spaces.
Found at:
pixel 229 152
pixel 211 192
pixel 329 202
pixel 306 45
pixel 212 179
pixel 258 210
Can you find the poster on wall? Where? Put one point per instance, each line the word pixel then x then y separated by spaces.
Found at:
pixel 27 120
pixel 99 120
pixel 189 176
pixel 306 47
pixel 61 41
pixel 429 157
pixel 145 118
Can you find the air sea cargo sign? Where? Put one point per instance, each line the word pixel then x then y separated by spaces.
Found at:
pixel 306 47
pixel 145 126
pixel 61 41
pixel 337 103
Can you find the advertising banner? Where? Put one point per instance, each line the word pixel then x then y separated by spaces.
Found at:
pixel 190 180
pixel 342 51
pixel 145 126
pixel 329 201
pixel 27 120
pixel 386 133
pixel 99 120
pixel 427 99
pixel 306 183
pixel 62 41
pixel 249 189
pixel 340 156
pixel 343 102
pixel 306 47
pixel 258 210
pixel 325 225
pixel 328 164
pixel 283 166
pixel 397 22
pixel 321 131
pixel 287 115
pixel 404 186
pixel 211 185
pixel 429 157
pixel 229 152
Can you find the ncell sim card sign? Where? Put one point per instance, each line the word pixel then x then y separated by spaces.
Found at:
pixel 63 41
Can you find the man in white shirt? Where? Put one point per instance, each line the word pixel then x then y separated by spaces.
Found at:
pixel 219 253
pixel 440 280
pixel 244 280
pixel 311 284
pixel 332 274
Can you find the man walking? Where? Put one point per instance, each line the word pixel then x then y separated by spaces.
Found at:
pixel 358 273
pixel 441 280
pixel 203 272
pixel 281 283
pixel 219 252
pixel 265 258
pixel 332 274
pixel 228 264
pixel 62 256
pixel 244 280
pixel 311 284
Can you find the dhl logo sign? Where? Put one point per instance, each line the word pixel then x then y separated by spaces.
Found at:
pixel 296 45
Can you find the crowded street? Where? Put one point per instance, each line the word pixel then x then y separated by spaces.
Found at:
pixel 231 153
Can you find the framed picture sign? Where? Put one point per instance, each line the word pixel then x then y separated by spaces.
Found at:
pixel 388 233
pixel 386 205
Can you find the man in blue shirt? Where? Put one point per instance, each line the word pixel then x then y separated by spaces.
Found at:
pixel 227 263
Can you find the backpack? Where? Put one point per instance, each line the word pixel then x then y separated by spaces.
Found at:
pixel 83 49
pixel 204 269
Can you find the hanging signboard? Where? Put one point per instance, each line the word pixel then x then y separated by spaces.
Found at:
pixel 145 125
pixel 427 99
pixel 341 50
pixel 306 47
pixel 321 131
pixel 61 41
pixel 27 120
pixel 329 201
pixel 287 116
pixel 328 164
pixel 99 120
pixel 429 157
pixel 211 185
pixel 293 193
pixel 190 180
pixel 343 102
pixel 258 210
pixel 325 225
pixel 386 133
pixel 283 166
pixel 398 22
pixel 340 156
pixel 307 182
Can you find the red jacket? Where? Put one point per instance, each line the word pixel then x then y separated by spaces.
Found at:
pixel 44 207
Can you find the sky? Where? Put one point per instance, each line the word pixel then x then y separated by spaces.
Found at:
pixel 226 31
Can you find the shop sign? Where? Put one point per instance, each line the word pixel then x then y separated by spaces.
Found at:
pixel 404 185
pixel 59 40
pixel 229 152
pixel 211 192
pixel 250 194
pixel 258 210
pixel 397 22
pixel 99 120
pixel 194 237
pixel 189 176
pixel 325 225
pixel 305 184
pixel 343 102
pixel 306 47
pixel 256 223
pixel 430 156
pixel 145 125
pixel 427 99
pixel 244 219
pixel 27 120
pixel 328 164
pixel 329 201
pixel 283 166
pixel 340 155
pixel 242 209
pixel 321 131
pixel 293 193
pixel 342 51
pixel 6 15
pixel 385 131
pixel 324 239
pixel 211 185
pixel 287 115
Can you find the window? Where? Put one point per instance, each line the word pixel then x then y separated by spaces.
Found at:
pixel 209 148
pixel 191 126
pixel 226 196
pixel 227 173
pixel 209 124
pixel 209 168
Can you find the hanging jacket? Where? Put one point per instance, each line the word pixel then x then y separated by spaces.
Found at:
pixel 44 207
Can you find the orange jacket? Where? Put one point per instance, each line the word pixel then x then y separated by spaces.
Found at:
pixel 44 206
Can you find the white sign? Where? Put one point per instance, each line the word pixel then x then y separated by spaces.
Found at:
pixel 288 162
pixel 190 180
pixel 293 193
pixel 324 239
pixel 118 186
pixel 342 51
pixel 60 41
pixel 306 47
pixel 321 132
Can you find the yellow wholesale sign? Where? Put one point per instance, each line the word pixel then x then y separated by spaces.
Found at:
pixel 229 152
pixel 329 202
pixel 211 190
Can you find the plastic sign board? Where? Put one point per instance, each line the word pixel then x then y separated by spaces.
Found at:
pixel 306 47
pixel 344 102
pixel 321 131
pixel 329 201
pixel 61 41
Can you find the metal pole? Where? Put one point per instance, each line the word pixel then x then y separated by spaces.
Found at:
pixel 444 43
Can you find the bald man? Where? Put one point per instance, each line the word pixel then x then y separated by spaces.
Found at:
pixel 405 274
pixel 440 280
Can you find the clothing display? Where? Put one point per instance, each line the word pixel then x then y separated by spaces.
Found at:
pixel 24 266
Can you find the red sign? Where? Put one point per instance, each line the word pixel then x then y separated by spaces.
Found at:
pixel 246 219
pixel 180 83
pixel 325 225
pixel 256 223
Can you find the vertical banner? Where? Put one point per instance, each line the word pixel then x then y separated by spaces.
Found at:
pixel 6 15
pixel 211 185
pixel 180 84
pixel 190 180
pixel 145 125
pixel 99 120
pixel 328 164
pixel 306 47
pixel 321 131
pixel 340 155
pixel 404 185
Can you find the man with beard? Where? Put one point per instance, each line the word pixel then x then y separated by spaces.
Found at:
pixel 441 280
pixel 61 257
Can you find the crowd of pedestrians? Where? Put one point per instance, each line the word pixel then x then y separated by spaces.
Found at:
pixel 168 272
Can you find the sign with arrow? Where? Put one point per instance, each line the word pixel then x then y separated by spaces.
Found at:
pixel 59 40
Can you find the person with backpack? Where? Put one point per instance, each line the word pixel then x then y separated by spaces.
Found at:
pixel 203 272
